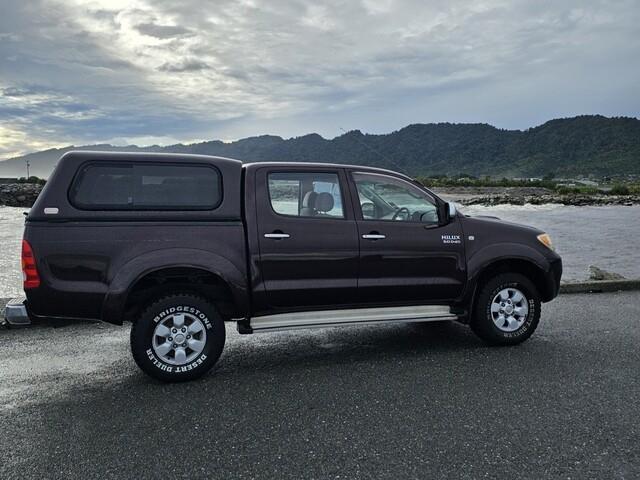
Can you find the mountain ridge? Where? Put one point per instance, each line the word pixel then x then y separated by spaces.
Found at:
pixel 581 145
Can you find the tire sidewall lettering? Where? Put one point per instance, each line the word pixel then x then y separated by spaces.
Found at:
pixel 158 363
pixel 175 368
pixel 190 366
pixel 185 309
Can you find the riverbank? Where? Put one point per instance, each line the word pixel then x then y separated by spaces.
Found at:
pixel 19 194
pixel 25 194
pixel 489 196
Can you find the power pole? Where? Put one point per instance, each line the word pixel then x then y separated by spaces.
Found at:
pixel 27 162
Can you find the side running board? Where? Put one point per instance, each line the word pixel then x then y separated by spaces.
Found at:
pixel 357 316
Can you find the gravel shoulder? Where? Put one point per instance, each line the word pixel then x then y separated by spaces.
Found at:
pixel 394 401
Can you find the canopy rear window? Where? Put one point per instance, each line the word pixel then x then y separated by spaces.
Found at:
pixel 146 186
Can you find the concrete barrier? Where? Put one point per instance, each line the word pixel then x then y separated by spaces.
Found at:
pixel 595 286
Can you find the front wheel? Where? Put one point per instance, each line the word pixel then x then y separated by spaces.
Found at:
pixel 178 338
pixel 507 310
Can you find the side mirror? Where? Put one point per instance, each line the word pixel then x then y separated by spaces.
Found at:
pixel 451 210
pixel 446 212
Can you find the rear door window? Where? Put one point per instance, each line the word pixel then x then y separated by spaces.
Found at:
pixel 304 194
pixel 147 186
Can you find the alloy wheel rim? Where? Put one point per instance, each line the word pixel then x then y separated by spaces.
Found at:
pixel 509 309
pixel 179 339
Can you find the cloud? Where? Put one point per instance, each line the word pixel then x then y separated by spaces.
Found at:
pixel 15 92
pixel 86 71
pixel 13 141
pixel 189 65
pixel 162 31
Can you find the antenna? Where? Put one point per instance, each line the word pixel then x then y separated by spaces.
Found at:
pixel 382 156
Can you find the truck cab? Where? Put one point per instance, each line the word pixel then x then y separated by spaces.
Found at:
pixel 179 244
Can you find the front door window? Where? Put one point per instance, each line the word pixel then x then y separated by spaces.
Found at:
pixel 388 198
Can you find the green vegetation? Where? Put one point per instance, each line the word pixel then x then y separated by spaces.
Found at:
pixel 619 189
pixel 32 179
pixel 557 186
pixel 634 188
pixel 563 148
pixel 581 190
pixel 579 147
pixel 466 180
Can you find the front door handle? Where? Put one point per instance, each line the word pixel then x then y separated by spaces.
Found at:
pixel 277 236
pixel 374 236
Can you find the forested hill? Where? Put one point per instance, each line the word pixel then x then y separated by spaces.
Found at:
pixel 581 145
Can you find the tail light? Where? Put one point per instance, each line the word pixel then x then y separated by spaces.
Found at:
pixel 30 276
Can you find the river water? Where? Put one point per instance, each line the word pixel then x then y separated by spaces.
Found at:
pixel 608 237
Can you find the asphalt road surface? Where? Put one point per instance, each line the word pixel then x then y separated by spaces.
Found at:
pixel 399 401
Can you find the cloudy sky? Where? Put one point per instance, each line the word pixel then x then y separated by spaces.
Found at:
pixel 144 72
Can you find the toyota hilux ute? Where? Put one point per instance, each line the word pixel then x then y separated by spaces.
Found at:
pixel 179 244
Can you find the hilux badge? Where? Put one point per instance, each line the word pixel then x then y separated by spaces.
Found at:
pixel 451 239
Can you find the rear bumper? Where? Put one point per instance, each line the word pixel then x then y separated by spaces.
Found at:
pixel 16 313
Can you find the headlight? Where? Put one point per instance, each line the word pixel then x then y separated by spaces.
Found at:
pixel 545 239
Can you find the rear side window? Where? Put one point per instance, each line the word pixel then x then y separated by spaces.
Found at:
pixel 304 194
pixel 146 186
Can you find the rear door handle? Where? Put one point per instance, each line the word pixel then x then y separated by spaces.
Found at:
pixel 277 236
pixel 374 236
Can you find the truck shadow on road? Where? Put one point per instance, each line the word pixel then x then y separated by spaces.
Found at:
pixel 292 359
pixel 339 346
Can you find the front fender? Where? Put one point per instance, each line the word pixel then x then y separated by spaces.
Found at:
pixel 136 268
pixel 485 256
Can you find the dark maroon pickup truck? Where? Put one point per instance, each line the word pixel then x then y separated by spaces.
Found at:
pixel 179 244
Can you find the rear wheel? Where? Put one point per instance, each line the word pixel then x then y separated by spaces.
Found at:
pixel 507 310
pixel 178 338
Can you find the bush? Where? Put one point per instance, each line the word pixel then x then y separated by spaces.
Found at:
pixel 32 179
pixel 619 189
pixel 566 190
pixel 584 190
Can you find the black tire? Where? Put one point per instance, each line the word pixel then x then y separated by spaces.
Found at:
pixel 161 368
pixel 482 322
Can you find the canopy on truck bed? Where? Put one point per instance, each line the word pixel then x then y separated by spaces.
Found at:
pixel 140 186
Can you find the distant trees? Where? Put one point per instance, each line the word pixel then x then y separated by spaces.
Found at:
pixel 470 181
pixel 557 149
pixel 562 148
pixel 444 181
pixel 32 179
